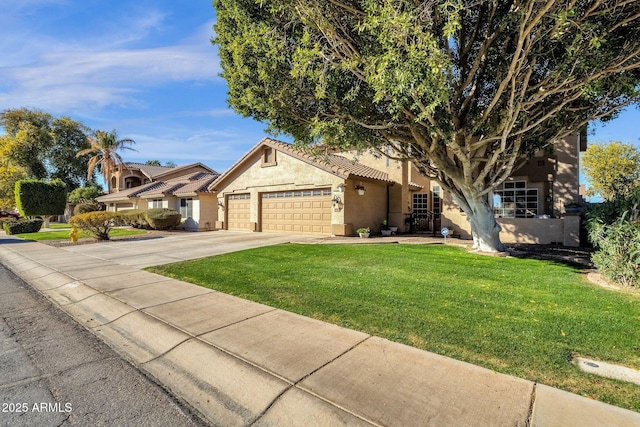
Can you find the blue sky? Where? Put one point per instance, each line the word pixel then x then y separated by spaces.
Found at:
pixel 148 70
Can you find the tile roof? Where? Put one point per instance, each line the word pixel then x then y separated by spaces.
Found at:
pixel 355 168
pixel 128 193
pixel 198 186
pixel 190 184
pixel 149 170
pixel 332 163
pixel 160 190
pixel 338 165
pixel 156 172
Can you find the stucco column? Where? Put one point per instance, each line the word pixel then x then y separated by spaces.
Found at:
pixel 571 229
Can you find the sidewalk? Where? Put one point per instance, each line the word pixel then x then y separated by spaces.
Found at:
pixel 242 363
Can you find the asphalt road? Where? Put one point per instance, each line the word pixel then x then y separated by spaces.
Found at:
pixel 53 372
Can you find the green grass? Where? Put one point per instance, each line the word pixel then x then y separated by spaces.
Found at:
pixel 64 234
pixel 57 225
pixel 522 317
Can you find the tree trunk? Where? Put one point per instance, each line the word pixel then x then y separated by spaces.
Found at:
pixel 484 227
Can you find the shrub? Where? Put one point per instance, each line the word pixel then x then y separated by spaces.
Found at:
pixel 34 197
pixel 3 220
pixel 162 218
pixel 135 218
pixel 22 226
pixel 87 207
pixel 99 224
pixel 617 245
pixel 85 194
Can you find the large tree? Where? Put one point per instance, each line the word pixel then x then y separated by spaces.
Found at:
pixel 613 169
pixel 44 146
pixel 466 90
pixel 104 147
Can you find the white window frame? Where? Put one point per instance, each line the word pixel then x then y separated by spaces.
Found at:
pixel 186 207
pixel 515 200
pixel 157 203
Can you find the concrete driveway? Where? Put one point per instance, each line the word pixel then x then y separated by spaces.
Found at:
pixel 157 250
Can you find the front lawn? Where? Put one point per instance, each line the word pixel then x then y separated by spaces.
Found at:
pixel 64 234
pixel 58 225
pixel 522 317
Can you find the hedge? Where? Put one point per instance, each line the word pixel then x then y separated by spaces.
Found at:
pixel 135 218
pixel 22 226
pixel 162 218
pixel 35 197
pixel 155 218
pixel 87 207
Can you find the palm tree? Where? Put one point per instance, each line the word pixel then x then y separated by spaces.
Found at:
pixel 104 147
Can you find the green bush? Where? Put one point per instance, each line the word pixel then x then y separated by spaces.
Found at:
pixel 97 223
pixel 35 197
pixel 87 207
pixel 85 194
pixel 135 218
pixel 3 220
pixel 617 241
pixel 22 226
pixel 162 218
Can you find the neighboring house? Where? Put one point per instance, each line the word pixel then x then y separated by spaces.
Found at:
pixel 182 188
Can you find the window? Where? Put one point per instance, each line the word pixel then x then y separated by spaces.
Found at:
pixel 186 208
pixel 268 157
pixel 436 201
pixel 156 203
pixel 515 200
pixel 420 206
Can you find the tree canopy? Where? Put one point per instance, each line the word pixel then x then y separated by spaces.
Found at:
pixel 466 90
pixel 44 146
pixel 104 147
pixel 613 169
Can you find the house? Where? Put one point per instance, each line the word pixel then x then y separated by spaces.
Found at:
pixel 182 188
pixel 276 187
pixel 530 205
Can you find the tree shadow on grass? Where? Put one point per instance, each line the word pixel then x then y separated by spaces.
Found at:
pixel 579 258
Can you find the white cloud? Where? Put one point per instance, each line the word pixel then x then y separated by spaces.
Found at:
pixel 105 68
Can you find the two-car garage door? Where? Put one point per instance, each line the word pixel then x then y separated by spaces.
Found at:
pixel 300 211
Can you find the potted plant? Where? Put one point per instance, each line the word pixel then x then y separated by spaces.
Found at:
pixel 385 230
pixel 364 232
pixel 360 189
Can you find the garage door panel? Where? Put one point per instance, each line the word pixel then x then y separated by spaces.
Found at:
pixel 306 211
pixel 239 212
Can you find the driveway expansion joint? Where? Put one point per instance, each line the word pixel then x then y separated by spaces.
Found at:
pixel 531 405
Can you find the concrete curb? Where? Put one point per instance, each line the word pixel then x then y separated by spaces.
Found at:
pixel 241 363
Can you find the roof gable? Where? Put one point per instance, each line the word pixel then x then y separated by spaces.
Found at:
pixel 331 163
pixel 155 173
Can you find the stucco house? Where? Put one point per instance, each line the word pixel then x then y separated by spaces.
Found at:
pixel 277 187
pixel 182 188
